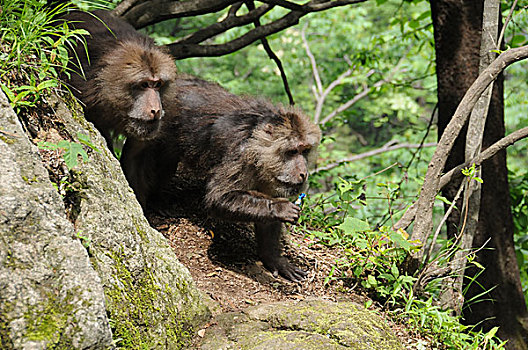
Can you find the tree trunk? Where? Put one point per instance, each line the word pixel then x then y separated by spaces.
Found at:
pixel 457 25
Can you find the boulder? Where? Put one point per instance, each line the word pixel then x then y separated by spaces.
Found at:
pixel 315 324
pixel 58 271
pixel 50 295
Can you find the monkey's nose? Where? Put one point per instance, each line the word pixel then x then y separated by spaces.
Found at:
pixel 155 114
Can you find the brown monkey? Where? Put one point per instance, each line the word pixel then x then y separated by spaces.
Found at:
pixel 250 154
pixel 125 76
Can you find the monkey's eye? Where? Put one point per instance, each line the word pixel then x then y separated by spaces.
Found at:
pixel 157 84
pixel 144 85
pixel 306 152
pixel 291 153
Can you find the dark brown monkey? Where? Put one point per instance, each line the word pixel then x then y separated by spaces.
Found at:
pixel 125 76
pixel 251 155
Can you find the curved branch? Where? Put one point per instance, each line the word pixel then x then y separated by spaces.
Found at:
pixel 229 22
pixel 373 153
pixel 150 12
pixel 456 172
pixel 180 51
pixel 267 47
pixel 423 219
pixel 154 11
pixel 484 155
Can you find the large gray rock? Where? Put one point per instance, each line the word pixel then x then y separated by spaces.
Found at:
pixel 50 296
pixel 307 325
pixel 57 293
pixel 151 298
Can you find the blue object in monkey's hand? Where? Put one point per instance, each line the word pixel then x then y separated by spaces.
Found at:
pixel 299 201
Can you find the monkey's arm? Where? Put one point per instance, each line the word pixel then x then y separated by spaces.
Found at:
pixel 251 206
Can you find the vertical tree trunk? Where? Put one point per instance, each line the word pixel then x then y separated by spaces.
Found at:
pixel 457 25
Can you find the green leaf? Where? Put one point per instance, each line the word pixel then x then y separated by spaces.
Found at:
pixel 47 145
pixel 401 242
pixel 85 140
pixel 491 333
pixel 72 151
pixel 352 225
pixel 10 95
pixel 394 270
pixel 46 84
pixel 517 40
pixel 372 280
pixel 443 199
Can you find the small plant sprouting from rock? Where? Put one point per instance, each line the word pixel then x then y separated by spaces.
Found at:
pixel 70 150
pixel 85 241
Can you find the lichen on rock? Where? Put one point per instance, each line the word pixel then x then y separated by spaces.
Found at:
pixel 150 295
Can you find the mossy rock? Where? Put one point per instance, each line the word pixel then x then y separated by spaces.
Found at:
pixel 310 325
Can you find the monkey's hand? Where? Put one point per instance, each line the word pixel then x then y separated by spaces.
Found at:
pixel 281 266
pixel 284 210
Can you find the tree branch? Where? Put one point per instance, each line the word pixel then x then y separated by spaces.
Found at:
pixel 484 155
pixel 315 72
pixel 386 148
pixel 456 172
pixel 365 92
pixel 180 51
pixel 423 219
pixel 124 6
pixel 231 21
pixel 143 13
pixel 251 6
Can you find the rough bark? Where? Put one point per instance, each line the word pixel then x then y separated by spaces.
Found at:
pixel 457 45
pixel 505 302
pixel 474 136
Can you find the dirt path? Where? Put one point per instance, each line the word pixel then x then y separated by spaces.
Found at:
pixel 222 261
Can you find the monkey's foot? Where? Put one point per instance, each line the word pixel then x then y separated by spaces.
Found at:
pixel 281 266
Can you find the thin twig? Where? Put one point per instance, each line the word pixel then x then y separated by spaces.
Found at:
pixel 251 6
pixel 315 71
pixel 9 134
pixel 366 90
pixel 501 36
pixel 386 148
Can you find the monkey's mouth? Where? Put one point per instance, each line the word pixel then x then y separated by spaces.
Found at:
pixel 288 189
pixel 144 129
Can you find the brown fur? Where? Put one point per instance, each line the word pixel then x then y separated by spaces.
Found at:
pixel 251 156
pixel 109 79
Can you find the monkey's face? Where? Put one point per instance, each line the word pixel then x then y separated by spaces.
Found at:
pixel 144 116
pixel 283 157
pixel 133 82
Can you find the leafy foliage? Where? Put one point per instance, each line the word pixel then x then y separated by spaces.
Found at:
pixel 33 50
